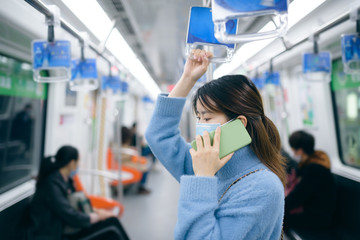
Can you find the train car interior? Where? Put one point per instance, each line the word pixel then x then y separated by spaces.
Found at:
pixel 87 74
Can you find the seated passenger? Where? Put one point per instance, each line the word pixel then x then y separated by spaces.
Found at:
pixel 127 137
pixel 291 168
pixel 145 149
pixel 240 196
pixel 51 211
pixel 291 164
pixel 311 203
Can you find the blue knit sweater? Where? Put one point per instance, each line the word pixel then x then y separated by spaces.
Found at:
pixel 253 208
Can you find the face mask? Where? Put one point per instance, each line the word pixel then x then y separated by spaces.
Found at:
pixel 74 172
pixel 297 158
pixel 209 127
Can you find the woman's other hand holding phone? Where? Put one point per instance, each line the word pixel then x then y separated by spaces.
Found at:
pixel 205 159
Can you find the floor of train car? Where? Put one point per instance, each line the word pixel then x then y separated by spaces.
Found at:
pixel 152 216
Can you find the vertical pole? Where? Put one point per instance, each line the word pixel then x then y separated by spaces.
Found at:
pixel 136 117
pixel 118 151
pixel 101 150
pixel 209 72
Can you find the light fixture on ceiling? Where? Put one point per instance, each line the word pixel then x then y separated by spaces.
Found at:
pixel 96 20
pixel 298 9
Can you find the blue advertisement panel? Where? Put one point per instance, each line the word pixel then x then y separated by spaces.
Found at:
pixel 350 45
pixel 320 62
pixel 259 82
pixel 201 27
pixel 114 83
pixel 272 78
pixel 51 54
pixel 84 69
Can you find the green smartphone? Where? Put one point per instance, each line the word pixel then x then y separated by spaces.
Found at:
pixel 233 137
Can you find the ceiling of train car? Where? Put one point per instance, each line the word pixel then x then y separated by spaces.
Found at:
pixel 155 30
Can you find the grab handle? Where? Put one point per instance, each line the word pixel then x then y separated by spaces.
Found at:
pixel 225 10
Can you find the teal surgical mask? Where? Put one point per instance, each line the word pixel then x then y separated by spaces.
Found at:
pixel 209 127
pixel 74 172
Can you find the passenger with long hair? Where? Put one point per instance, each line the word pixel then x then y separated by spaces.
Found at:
pixel 51 211
pixel 240 196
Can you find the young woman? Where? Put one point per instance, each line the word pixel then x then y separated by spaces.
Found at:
pixel 240 196
pixel 50 209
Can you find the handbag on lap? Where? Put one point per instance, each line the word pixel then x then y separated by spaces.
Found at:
pixel 80 202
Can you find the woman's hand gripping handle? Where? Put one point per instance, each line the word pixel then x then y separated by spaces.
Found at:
pixel 196 65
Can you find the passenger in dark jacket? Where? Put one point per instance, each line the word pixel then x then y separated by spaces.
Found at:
pixel 51 211
pixel 311 203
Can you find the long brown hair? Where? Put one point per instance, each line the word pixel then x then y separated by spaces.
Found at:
pixel 236 95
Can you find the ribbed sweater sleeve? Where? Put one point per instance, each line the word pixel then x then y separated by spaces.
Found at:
pixel 164 139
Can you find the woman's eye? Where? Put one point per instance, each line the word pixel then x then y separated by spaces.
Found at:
pixel 207 119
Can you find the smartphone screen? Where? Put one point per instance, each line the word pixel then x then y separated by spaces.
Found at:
pixel 233 137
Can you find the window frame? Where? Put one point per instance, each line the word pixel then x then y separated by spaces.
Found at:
pixel 337 124
pixel 36 163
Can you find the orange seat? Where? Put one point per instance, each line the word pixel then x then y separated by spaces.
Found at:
pixel 135 175
pixel 97 201
pixel 139 159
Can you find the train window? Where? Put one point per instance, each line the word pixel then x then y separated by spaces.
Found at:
pixel 21 122
pixel 346 97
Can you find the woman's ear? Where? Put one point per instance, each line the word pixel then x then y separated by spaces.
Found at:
pixel 243 119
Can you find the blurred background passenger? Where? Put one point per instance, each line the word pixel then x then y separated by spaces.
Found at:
pixel 291 169
pixel 291 164
pixel 311 202
pixel 51 211
pixel 139 140
pixel 128 139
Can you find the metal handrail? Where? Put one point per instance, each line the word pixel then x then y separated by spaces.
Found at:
pixel 335 22
pixel 102 173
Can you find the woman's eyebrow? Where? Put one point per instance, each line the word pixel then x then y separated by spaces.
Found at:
pixel 204 112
